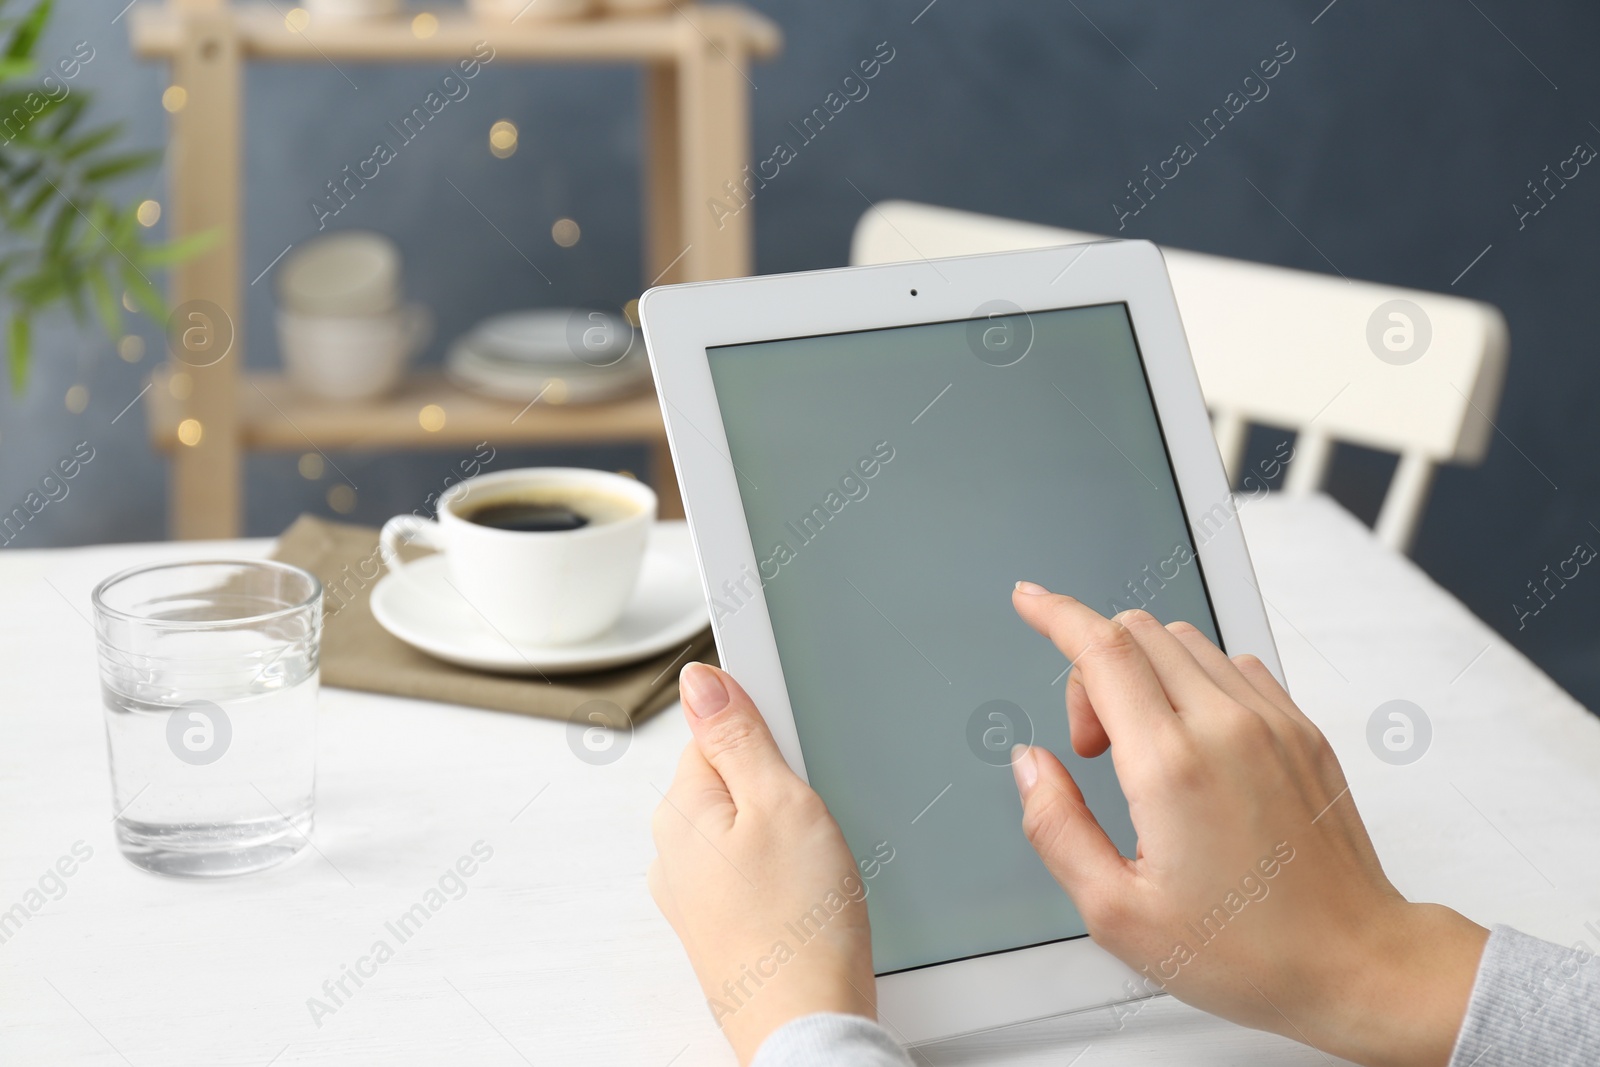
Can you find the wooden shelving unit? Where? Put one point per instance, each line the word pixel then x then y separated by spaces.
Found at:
pixel 696 138
pixel 272 417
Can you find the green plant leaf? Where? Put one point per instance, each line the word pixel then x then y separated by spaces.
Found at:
pixel 67 239
pixel 28 31
pixel 19 119
pixel 30 208
pixel 21 340
pixel 180 250
pixel 119 165
pixel 100 215
pixel 42 287
pixel 125 227
pixel 69 111
pixel 26 173
pixel 72 284
pixel 13 100
pixel 106 304
pixel 144 295
pixel 89 142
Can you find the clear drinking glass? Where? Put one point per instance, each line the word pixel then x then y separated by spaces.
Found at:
pixel 209 675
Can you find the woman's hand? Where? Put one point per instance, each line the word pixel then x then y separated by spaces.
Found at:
pixel 1255 894
pixel 754 875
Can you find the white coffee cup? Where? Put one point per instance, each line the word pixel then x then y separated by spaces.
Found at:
pixel 351 357
pixel 538 588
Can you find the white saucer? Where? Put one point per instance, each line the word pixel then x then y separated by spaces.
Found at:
pixel 570 384
pixel 424 610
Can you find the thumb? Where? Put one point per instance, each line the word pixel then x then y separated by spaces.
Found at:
pixel 731 733
pixel 1064 832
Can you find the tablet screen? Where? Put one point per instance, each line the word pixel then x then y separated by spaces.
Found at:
pixel 897 483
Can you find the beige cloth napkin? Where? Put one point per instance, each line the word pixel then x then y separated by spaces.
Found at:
pixel 357 653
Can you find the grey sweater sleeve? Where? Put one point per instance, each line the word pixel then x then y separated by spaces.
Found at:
pixel 828 1039
pixel 1532 1003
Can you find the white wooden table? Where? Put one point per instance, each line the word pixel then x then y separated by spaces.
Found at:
pixel 555 953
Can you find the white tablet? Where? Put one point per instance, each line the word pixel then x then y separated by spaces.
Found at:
pixel 870 459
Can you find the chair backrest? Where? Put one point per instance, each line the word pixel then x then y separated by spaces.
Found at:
pixel 1289 349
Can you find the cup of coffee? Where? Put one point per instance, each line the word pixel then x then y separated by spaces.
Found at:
pixel 546 555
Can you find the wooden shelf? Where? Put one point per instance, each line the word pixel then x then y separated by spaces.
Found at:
pixel 273 417
pixel 158 33
pixel 695 127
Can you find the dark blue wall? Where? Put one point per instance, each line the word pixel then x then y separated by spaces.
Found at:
pixel 1396 140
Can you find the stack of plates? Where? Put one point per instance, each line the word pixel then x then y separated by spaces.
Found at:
pixel 562 355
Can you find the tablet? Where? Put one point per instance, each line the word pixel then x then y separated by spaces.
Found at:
pixel 870 459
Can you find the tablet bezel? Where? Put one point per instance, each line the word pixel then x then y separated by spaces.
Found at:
pixel 681 322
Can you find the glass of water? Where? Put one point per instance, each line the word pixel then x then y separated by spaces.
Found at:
pixel 209 675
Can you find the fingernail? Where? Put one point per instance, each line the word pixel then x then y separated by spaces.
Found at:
pixel 702 691
pixel 1026 768
pixel 1031 588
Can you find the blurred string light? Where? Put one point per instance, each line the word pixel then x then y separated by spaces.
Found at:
pixel 149 213
pixel 425 25
pixel 77 399
pixel 127 301
pixel 503 139
pixel 180 385
pixel 342 498
pixel 565 233
pixel 131 348
pixel 630 311
pixel 297 19
pixel 431 418
pixel 190 431
pixel 174 98
pixel 311 466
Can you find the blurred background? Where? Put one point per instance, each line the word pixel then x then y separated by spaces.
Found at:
pixel 1397 147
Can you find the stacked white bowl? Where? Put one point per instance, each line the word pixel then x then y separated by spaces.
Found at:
pixel 528 11
pixel 351 10
pixel 504 11
pixel 343 333
pixel 559 355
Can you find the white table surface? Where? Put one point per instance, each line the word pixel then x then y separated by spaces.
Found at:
pixel 556 954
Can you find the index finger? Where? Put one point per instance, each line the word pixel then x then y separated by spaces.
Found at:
pixel 1123 689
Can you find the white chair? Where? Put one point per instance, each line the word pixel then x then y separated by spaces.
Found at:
pixel 1285 348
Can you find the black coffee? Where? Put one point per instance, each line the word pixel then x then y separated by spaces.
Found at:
pixel 529 518
pixel 546 510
